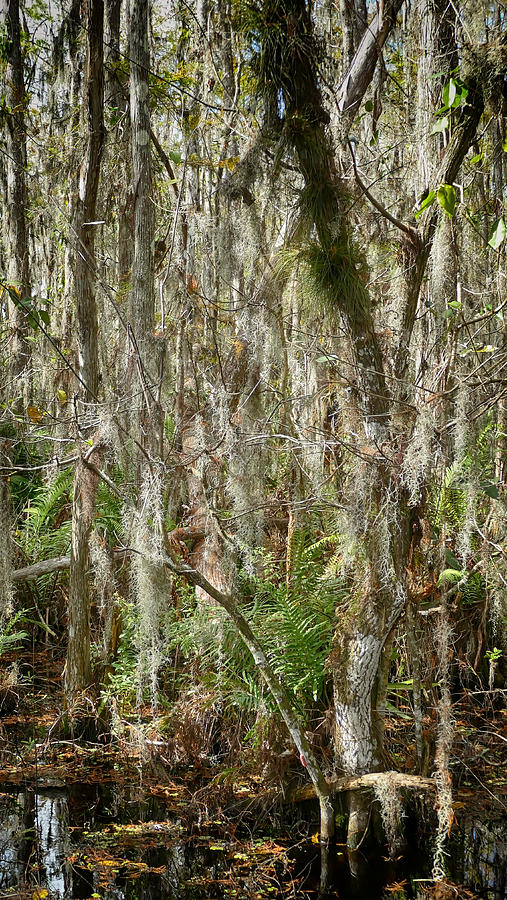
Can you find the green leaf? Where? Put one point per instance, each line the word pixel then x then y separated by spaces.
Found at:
pixel 451 560
pixel 492 491
pixel 498 233
pixel 504 145
pixel 454 304
pixel 453 95
pixel 449 93
pixel 440 126
pixel 428 200
pixel 368 105
pixel 174 156
pixel 44 315
pixel 461 94
pixel 477 158
pixel 397 712
pixel 446 198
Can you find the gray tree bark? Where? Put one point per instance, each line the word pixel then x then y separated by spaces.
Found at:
pixel 78 673
pixel 86 203
pixel 18 259
pixel 142 297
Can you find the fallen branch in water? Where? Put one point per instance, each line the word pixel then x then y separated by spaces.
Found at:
pixel 356 782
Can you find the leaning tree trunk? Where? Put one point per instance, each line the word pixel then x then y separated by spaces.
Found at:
pixel 378 599
pixel 379 515
pixel 18 259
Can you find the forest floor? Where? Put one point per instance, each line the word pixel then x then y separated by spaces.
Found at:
pixel 127 806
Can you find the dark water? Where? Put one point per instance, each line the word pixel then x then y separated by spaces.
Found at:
pixel 68 841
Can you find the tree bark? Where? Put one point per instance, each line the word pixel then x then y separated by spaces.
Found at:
pixel 86 203
pixel 78 669
pixel 78 672
pixel 142 298
pixel 18 257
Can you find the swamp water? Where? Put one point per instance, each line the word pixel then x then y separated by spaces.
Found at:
pixel 111 842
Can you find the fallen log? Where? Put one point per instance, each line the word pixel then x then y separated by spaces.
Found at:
pixel 57 563
pixel 355 782
pixel 41 568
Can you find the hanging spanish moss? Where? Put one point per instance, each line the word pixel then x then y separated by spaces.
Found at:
pixel 391 810
pixel 6 588
pixel 150 582
pixel 445 735
pixel 420 457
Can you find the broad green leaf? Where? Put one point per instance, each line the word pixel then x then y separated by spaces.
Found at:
pixel 446 198
pixel 44 315
pixel 498 233
pixel 461 95
pixel 454 304
pixel 428 200
pixel 449 93
pixel 492 491
pixel 441 125
pixel 174 156
pixel 504 145
pixel 368 105
pixel 476 159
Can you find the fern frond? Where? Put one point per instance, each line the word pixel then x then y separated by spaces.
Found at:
pixel 45 526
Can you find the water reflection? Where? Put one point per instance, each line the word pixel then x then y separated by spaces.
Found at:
pixel 34 839
pixel 479 855
pixel 39 830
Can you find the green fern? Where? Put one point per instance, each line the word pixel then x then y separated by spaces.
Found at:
pixel 294 625
pixel 450 577
pixel 448 502
pixel 45 522
pixel 109 518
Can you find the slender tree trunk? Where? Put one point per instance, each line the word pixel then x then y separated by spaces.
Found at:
pixel 142 298
pixel 147 353
pixel 86 203
pixel 78 670
pixel 307 756
pixel 77 676
pixel 18 259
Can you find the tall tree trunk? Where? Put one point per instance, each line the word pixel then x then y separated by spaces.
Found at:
pixel 379 516
pixel 142 298
pixel 18 265
pixel 86 203
pixel 77 669
pixel 77 676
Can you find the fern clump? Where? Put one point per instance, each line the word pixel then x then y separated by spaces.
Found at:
pixel 45 526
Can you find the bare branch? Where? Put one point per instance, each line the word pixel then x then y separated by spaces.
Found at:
pixel 362 67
